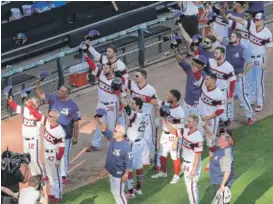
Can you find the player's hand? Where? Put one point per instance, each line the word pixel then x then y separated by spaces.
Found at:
pixel 124 178
pixel 205 118
pixel 38 83
pixel 264 66
pixel 229 15
pixel 174 146
pixel 222 188
pixel 157 123
pixel 193 173
pixel 229 100
pixel 16 195
pixel 74 140
pixel 58 162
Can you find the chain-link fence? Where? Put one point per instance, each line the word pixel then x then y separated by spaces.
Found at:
pixel 128 51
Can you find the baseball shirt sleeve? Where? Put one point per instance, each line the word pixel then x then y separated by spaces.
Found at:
pixel 50 97
pixel 198 146
pixel 225 41
pixel 269 42
pixel 76 115
pixel 247 56
pixel 129 158
pixel 97 56
pixel 186 66
pixel 108 134
pixel 226 161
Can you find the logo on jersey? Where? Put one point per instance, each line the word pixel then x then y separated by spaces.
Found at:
pixel 116 152
pixel 220 75
pixel 244 35
pixel 188 144
pixel 130 155
pixel 50 138
pixel 27 122
pixel 216 157
pixel 173 120
pixel 209 101
pixel 236 55
pixel 79 115
pixel 256 40
pixel 65 111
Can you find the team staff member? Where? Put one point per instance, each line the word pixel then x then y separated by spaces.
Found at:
pixel 119 160
pixel 193 90
pixel 261 47
pixel 69 119
pixel 222 164
pixel 239 57
pixel 54 146
pixel 111 59
pixel 192 148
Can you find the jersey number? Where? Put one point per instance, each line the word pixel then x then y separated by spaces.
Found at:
pixel 31 145
pixel 171 139
pixel 51 158
pixel 186 168
pixel 110 108
pixel 141 127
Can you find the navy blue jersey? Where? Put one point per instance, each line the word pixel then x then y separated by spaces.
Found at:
pixel 119 155
pixel 69 112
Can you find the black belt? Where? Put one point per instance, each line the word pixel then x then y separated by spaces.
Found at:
pixel 27 139
pixel 166 132
pixel 49 151
pixel 238 73
pixel 137 140
pixel 258 56
pixel 107 103
pixel 186 161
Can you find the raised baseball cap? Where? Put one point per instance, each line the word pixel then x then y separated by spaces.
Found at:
pixel 197 38
pixel 201 59
pixel 100 112
pixel 259 16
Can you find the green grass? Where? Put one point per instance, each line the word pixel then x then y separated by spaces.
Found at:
pixel 253 170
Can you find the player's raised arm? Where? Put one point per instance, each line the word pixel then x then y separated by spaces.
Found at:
pixel 171 128
pixel 242 21
pixel 14 106
pixel 208 132
pixel 92 65
pixel 97 56
pixel 215 34
pixel 184 33
pixel 34 111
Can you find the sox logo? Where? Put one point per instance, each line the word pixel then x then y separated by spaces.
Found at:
pixel 29 123
pixel 116 152
pixel 257 41
pixel 219 75
pixel 50 138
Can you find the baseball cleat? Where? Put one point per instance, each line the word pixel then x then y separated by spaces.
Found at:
pixel 64 180
pixel 129 195
pixel 138 191
pixel 251 120
pixel 55 200
pixel 175 179
pixel 91 148
pixel 258 108
pixel 161 174
pixel 156 169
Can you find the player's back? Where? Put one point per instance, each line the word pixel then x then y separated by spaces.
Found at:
pixel 105 93
pixel 209 100
pixel 147 90
pixel 136 127
pixel 30 125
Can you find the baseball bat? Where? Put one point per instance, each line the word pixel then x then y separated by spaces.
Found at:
pixel 155 157
pixel 114 5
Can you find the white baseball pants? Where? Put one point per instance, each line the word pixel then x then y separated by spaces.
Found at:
pixel 117 189
pixel 149 146
pixel 110 120
pixel 53 173
pixel 166 147
pixel 191 183
pixel 224 115
pixel 66 157
pixel 137 149
pixel 32 145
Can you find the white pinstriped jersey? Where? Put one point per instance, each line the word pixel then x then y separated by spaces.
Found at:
pixel 224 72
pixel 191 143
pixel 136 126
pixel 259 40
pixel 54 137
pixel 241 29
pixel 30 125
pixel 210 101
pixel 105 93
pixel 136 91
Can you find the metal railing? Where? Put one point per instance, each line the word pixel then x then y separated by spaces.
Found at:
pixel 145 50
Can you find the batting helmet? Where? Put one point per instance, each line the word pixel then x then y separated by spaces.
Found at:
pixel 164 111
pixel 116 84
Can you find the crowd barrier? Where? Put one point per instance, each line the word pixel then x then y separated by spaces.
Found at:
pixel 138 46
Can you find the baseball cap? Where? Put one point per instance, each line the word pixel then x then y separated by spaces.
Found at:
pixel 259 16
pixel 201 59
pixel 197 38
pixel 100 112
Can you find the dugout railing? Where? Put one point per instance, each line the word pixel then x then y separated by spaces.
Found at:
pixel 138 46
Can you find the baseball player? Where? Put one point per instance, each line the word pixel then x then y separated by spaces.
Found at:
pixel 193 91
pixel 192 149
pixel 225 79
pixel 239 57
pixel 119 160
pixel 211 105
pixel 31 134
pixel 112 60
pixel 260 46
pixel 54 146
pixel 140 88
pixel 135 135
pixel 168 141
pixel 108 100
pixel 69 120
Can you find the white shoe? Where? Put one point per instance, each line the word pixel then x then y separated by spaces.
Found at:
pixel 161 174
pixel 175 179
pixel 138 192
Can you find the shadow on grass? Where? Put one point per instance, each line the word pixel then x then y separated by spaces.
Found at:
pixel 256 188
pixel 89 200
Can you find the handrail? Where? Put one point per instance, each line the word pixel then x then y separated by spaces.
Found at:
pixel 101 40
